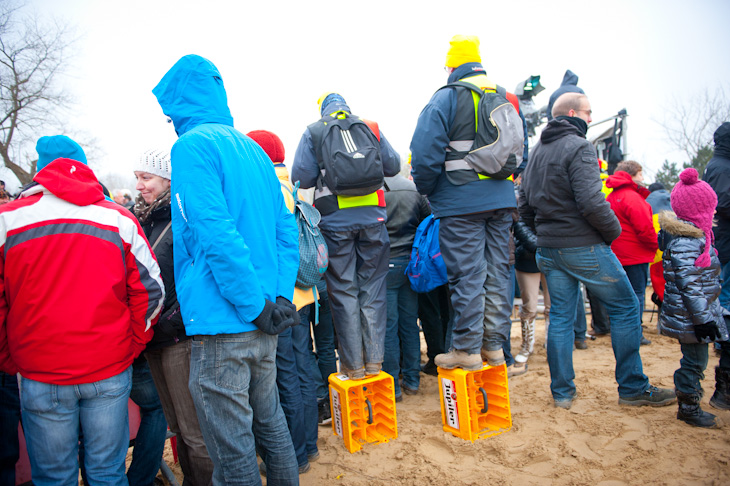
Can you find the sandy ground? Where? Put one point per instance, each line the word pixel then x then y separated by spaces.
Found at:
pixel 597 442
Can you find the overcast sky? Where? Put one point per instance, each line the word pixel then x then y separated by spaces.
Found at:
pixel 386 58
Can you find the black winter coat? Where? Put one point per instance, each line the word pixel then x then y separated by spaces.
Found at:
pixel 560 194
pixel 691 293
pixel 406 208
pixel 170 328
pixel 717 175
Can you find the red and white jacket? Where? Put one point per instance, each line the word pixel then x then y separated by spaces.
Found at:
pixel 79 286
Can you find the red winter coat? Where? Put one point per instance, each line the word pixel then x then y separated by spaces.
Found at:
pixel 79 287
pixel 638 241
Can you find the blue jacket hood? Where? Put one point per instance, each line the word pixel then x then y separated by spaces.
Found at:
pixel 192 93
pixel 466 70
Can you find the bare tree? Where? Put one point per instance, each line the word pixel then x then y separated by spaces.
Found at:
pixel 690 123
pixel 33 54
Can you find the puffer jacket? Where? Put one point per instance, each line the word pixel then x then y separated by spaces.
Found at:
pixel 691 293
pixel 560 194
pixel 637 243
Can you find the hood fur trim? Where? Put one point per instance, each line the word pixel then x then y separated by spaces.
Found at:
pixel 669 223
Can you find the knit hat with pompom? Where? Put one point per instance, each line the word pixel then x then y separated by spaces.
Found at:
pixel 694 200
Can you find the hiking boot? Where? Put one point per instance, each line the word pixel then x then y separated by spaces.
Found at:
pixel 653 396
pixel 358 374
pixel 372 369
pixel 324 415
pixel 721 398
pixel 493 358
pixel 516 369
pixel 398 398
pixel 690 412
pixel 580 344
pixel 459 359
pixel 429 368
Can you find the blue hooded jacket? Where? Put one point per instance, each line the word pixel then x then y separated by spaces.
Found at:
pixel 235 242
pixel 428 153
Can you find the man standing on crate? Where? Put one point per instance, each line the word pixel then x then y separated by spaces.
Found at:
pixel 346 159
pixel 475 210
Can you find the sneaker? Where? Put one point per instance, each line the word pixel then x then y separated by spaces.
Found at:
pixel 324 415
pixel 408 390
pixel 372 369
pixel 313 457
pixel 459 359
pixel 653 396
pixel 580 344
pixel 493 358
pixel 305 468
pixel 644 341
pixel 398 398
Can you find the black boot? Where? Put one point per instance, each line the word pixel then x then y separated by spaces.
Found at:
pixel 721 398
pixel 691 413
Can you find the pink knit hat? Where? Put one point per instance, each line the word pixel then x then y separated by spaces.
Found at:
pixel 694 200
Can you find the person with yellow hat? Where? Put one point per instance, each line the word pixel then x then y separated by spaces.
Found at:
pixel 475 211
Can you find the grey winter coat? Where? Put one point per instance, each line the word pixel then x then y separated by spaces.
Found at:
pixel 691 293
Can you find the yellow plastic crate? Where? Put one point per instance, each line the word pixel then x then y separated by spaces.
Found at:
pixel 363 411
pixel 475 404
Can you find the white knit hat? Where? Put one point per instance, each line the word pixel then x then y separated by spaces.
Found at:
pixel 156 162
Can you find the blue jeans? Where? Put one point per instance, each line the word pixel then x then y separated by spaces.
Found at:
pixel 290 394
pixel 9 419
pixel 324 338
pixel 602 274
pixel 402 338
pixel 581 326
pixel 356 285
pixel 475 249
pixel 52 418
pixel 691 368
pixel 725 292
pixel 638 276
pixel 302 344
pixel 150 440
pixel 233 385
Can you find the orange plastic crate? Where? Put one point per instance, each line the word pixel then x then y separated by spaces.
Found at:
pixel 475 404
pixel 363 411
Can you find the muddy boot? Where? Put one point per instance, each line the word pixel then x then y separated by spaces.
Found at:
pixel 691 413
pixel 721 398
pixel 528 341
pixel 459 359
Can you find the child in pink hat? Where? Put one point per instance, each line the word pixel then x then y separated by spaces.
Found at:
pixel 691 311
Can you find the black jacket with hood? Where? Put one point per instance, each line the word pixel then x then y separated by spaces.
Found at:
pixel 569 85
pixel 691 293
pixel 560 194
pixel 717 175
pixel 406 209
pixel 170 328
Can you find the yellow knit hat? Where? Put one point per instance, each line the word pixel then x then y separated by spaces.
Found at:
pixel 464 48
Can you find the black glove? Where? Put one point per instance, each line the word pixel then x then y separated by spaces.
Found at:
pixel 276 317
pixel 708 331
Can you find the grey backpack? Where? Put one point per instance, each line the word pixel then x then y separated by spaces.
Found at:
pixel 499 141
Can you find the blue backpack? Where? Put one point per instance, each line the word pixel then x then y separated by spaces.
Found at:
pixel 426 269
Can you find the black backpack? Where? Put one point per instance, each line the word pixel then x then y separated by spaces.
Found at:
pixel 499 142
pixel 349 152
